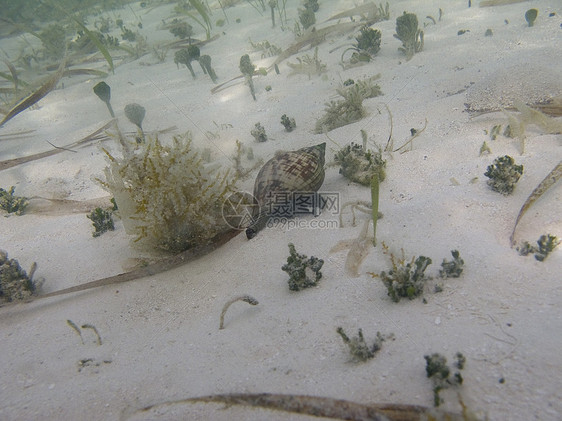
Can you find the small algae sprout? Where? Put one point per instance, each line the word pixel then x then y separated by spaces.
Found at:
pixel 503 174
pixel 181 29
pixel 531 16
pixel 135 113
pixel 186 56
pixel 258 132
pixel 307 18
pixel 454 268
pixel 15 283
pixel 103 91
pixel 248 68
pixel 101 220
pixel 545 245
pixel 288 122
pixel 205 62
pixel 408 32
pixel 308 65
pixel 360 165
pixel 168 197
pixel 439 372
pixel 303 272
pixel 12 203
pixel 246 298
pixel 404 280
pixel 272 4
pixel 358 348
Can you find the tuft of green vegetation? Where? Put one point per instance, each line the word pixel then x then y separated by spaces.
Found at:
pixel 181 29
pixel 503 174
pixel 367 45
pixel 439 372
pixel 308 65
pixel 15 284
pixel 288 122
pixel 258 132
pixel 531 16
pixel 454 268
pixel 12 203
pixel 168 197
pixel 205 62
pixel 53 38
pixel 303 272
pixel 307 18
pixel 135 113
pixel 358 348
pixel 408 32
pixel 360 165
pixel 101 220
pixel 405 280
pixel 545 245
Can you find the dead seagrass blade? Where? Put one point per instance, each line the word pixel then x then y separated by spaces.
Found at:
pixel 28 101
pixel 287 172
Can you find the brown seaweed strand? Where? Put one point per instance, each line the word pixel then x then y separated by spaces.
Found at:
pixel 28 101
pixel 544 185
pixel 321 407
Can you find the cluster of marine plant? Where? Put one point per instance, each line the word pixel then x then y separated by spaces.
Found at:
pixel 531 16
pixel 307 16
pixel 359 164
pixel 102 220
pixel 545 245
pixel 349 109
pixel 248 68
pixel 308 65
pixel 288 122
pixel 103 92
pixel 266 48
pixel 15 283
pixel 168 197
pixel 12 203
pixel 303 272
pixel 358 347
pixel 407 279
pixel 258 133
pixel 186 56
pixel 503 174
pixel 439 372
pixel 408 32
pixel 367 45
pixel 181 29
pixel 135 114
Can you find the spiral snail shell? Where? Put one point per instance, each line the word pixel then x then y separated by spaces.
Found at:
pixel 287 172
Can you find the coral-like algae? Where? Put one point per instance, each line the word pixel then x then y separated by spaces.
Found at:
pixel 545 245
pixel 358 348
pixel 12 203
pixel 360 165
pixel 439 372
pixel 101 220
pixel 168 198
pixel 288 122
pixel 15 284
pixel 454 268
pixel 408 32
pixel 503 174
pixel 303 272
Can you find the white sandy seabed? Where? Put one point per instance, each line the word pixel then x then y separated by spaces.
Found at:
pixel 160 336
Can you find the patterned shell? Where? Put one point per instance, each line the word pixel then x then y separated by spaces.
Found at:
pixel 294 171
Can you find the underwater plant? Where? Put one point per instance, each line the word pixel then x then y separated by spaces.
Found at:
pixel 503 174
pixel 245 298
pixel 53 39
pixel 308 65
pixel 439 372
pixel 404 280
pixel 360 165
pixel 103 92
pixel 307 18
pixel 408 32
pixel 101 220
pixel 248 68
pixel 258 132
pixel 358 348
pixel 168 198
pixel 367 45
pixel 186 56
pixel 135 113
pixel 342 112
pixel 545 245
pixel 454 268
pixel 288 122
pixel 531 16
pixel 15 284
pixel 303 272
pixel 12 203
pixel 181 29
pixel 205 62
